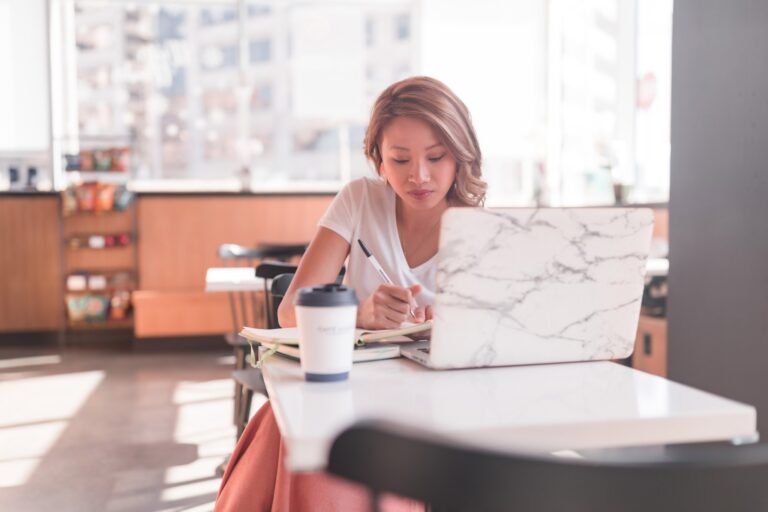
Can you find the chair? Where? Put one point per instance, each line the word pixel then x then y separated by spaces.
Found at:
pixel 269 271
pixel 250 380
pixel 243 304
pixel 281 252
pixel 450 476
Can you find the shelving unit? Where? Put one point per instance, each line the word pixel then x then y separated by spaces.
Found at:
pixel 123 324
pixel 115 267
pixel 116 177
pixel 98 239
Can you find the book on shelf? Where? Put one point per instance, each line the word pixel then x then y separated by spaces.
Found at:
pixel 370 345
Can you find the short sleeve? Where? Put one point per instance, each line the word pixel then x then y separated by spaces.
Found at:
pixel 342 215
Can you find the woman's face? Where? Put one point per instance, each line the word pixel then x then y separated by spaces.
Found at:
pixel 416 163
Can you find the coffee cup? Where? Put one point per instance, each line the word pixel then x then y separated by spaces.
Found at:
pixel 326 317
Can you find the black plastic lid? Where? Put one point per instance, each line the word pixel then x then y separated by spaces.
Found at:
pixel 326 296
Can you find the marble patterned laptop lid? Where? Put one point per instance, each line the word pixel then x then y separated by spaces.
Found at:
pixel 523 286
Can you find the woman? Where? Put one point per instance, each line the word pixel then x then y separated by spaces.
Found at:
pixel 422 143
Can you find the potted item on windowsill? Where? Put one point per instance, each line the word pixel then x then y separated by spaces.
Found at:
pixel 621 192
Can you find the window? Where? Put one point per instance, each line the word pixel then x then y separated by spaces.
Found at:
pixel 370 34
pixel 217 16
pixel 168 76
pixel 216 57
pixel 260 50
pixel 261 99
pixel 255 11
pixel 570 100
pixel 403 27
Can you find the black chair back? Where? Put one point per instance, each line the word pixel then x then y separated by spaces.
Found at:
pixel 703 478
pixel 281 252
pixel 269 271
pixel 280 286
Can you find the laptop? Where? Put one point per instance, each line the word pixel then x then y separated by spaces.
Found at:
pixel 528 286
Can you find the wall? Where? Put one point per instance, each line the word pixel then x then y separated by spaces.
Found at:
pixel 718 302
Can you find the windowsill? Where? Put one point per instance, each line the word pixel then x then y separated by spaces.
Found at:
pixel 234 187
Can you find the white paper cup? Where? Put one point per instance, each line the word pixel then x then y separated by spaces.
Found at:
pixel 326 317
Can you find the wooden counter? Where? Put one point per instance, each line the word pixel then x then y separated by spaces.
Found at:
pixel 178 241
pixel 30 263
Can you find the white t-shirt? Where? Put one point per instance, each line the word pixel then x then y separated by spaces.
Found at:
pixel 365 209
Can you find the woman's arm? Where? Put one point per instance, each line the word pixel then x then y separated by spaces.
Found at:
pixel 320 264
pixel 388 307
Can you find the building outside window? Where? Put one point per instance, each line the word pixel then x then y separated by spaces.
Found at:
pixel 403 27
pixel 570 100
pixel 260 50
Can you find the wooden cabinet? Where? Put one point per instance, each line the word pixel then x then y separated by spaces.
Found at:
pixel 110 260
pixel 650 353
pixel 30 263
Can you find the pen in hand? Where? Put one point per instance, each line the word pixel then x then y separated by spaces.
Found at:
pixel 369 255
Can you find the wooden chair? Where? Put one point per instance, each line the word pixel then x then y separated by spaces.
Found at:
pixel 709 477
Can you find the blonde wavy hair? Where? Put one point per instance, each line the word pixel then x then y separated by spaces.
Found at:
pixel 430 100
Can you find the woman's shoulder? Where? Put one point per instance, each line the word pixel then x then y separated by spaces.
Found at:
pixel 365 188
pixel 365 183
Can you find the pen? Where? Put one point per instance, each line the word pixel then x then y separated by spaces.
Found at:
pixel 369 255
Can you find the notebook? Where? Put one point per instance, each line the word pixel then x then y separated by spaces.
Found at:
pixel 370 345
pixel 525 286
pixel 361 353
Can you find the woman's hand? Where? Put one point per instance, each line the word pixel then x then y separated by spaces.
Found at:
pixel 425 313
pixel 389 306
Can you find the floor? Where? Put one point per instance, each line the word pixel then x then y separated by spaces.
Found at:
pixel 105 428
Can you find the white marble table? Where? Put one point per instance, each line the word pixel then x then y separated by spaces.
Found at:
pixel 232 279
pixel 542 407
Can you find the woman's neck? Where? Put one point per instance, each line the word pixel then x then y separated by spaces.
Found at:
pixel 411 219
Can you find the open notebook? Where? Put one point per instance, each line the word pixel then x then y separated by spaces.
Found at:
pixel 370 345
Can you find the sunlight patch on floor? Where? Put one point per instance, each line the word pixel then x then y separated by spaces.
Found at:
pixel 22 448
pixel 33 414
pixel 226 361
pixel 203 418
pixel 21 362
pixel 44 398
pixel 197 488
